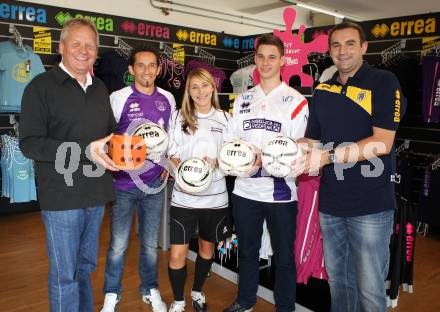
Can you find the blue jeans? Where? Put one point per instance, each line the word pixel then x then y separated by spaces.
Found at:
pixel 281 223
pixel 149 208
pixel 356 252
pixel 72 239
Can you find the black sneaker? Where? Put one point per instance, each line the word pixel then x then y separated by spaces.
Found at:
pixel 235 307
pixel 199 301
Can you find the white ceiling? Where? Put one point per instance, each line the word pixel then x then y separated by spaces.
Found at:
pixel 360 9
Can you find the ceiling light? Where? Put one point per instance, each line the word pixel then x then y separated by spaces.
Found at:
pixel 306 6
pixel 317 9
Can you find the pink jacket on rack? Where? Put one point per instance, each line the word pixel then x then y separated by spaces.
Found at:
pixel 309 255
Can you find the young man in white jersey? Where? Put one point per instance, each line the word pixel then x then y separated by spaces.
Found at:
pixel 269 109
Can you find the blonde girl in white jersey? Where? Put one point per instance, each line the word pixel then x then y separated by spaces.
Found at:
pixel 197 131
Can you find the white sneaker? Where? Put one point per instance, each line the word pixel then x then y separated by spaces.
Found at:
pixel 177 306
pixel 110 302
pixel 155 300
pixel 199 301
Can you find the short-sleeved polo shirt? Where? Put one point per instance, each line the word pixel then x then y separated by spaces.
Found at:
pixel 343 114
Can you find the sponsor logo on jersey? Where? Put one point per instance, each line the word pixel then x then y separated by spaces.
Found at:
pixel 160 105
pixel 146 29
pixel 247 97
pixel 260 123
pixel 287 99
pixel 22 13
pixel 215 129
pixel 135 115
pixel 102 23
pixel 405 28
pixel 397 106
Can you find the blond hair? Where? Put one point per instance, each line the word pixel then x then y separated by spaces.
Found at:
pixel 78 22
pixel 189 113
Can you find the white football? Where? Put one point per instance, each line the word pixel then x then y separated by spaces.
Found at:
pixel 194 175
pixel 278 155
pixel 155 137
pixel 237 158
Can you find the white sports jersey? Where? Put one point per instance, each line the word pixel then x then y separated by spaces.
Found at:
pixel 242 78
pixel 206 141
pixel 258 118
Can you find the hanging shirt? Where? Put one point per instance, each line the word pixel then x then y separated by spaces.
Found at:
pixel 18 177
pixel 218 74
pixel 258 118
pixel 242 79
pixel 431 88
pixel 17 68
pixel 113 71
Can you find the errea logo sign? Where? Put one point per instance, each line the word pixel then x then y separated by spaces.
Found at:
pixel 405 28
pixel 102 23
pixel 22 13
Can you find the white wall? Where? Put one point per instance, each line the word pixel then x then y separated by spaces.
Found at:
pixel 141 9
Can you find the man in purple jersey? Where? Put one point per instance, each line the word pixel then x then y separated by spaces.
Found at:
pixel 139 103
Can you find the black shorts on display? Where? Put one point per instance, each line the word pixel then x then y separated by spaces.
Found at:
pixel 213 225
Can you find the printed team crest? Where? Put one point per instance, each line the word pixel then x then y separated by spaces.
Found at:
pixel 361 96
pixel 161 105
pixel 296 51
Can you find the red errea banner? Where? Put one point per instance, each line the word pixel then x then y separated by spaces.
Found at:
pixel 296 51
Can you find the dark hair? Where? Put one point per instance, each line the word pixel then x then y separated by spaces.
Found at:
pixel 143 48
pixel 345 25
pixel 269 39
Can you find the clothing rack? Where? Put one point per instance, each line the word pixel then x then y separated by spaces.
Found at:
pixel 435 50
pixel 206 56
pixel 246 60
pixel 419 141
pixel 436 164
pixel 16 36
pixel 168 51
pixel 393 53
pixel 403 146
pixel 123 48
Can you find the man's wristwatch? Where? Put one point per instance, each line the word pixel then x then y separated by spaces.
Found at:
pixel 331 156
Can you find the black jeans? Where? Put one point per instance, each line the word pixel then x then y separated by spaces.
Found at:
pixel 281 223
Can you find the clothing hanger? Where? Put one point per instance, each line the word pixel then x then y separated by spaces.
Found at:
pixel 17 37
pixel 246 60
pixel 123 48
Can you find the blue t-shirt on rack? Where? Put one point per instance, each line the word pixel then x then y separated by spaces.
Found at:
pixel 17 68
